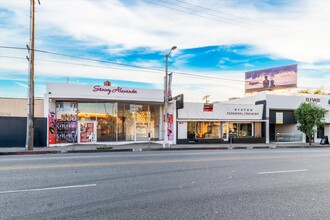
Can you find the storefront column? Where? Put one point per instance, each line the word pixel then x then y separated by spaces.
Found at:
pixel 267 131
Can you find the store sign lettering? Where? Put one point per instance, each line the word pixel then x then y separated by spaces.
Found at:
pixel 243 111
pixel 313 100
pixel 116 90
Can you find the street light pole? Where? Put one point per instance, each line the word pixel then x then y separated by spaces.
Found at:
pixel 165 142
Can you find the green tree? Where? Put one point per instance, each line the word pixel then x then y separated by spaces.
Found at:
pixel 309 116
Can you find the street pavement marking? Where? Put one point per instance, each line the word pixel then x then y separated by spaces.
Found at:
pixel 282 171
pixel 157 162
pixel 44 189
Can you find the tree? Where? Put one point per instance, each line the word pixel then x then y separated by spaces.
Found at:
pixel 309 116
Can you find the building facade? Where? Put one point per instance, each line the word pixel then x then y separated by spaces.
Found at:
pixel 220 122
pixel 280 120
pixel 93 113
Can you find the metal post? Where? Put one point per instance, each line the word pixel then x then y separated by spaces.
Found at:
pixel 166 98
pixel 165 102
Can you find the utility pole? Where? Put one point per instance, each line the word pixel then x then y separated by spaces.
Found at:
pixel 206 98
pixel 30 98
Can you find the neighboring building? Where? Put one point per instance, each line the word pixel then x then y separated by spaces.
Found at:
pixel 17 107
pixel 13 112
pixel 218 122
pixel 280 117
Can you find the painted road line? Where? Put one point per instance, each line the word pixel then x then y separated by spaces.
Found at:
pixel 150 162
pixel 44 189
pixel 282 171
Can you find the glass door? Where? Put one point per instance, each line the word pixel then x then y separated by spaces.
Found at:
pixel 142 122
pixel 224 134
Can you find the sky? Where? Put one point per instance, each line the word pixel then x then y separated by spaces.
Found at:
pixel 125 42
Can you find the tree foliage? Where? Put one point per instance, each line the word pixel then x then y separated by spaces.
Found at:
pixel 309 116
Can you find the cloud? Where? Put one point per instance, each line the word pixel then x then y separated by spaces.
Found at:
pixel 21 84
pixel 280 30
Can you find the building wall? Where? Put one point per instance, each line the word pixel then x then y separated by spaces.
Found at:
pixel 17 107
pixel 288 129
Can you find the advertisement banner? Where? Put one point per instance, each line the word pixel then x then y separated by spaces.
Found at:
pixel 51 128
pixel 279 118
pixel 169 91
pixel 66 122
pixel 271 79
pixel 87 132
pixel 208 107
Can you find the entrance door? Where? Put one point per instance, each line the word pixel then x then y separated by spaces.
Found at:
pixel 142 131
pixel 224 134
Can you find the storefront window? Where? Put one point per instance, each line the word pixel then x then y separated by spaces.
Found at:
pixel 320 132
pixel 245 130
pixel 208 129
pixel 106 114
pixel 87 111
pixel 154 122
pixel 191 131
pixel 240 129
pixel 125 122
pixel 66 122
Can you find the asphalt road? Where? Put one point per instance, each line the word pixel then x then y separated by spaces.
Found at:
pixel 236 184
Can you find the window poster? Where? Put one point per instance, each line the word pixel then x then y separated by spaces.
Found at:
pixel 66 122
pixel 87 132
pixel 170 127
pixel 52 128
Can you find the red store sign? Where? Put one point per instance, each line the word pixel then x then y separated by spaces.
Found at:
pixel 116 90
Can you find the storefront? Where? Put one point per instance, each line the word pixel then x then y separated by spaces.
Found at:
pixel 280 115
pixel 93 113
pixel 221 123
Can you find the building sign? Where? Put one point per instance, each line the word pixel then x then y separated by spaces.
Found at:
pixel 82 91
pixel 314 100
pixel 208 107
pixel 179 101
pixel 242 111
pixel 279 118
pixel 271 79
pixel 221 111
pixel 109 91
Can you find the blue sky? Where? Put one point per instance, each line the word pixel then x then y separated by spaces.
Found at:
pixel 126 42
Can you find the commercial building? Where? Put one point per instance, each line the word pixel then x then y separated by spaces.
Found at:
pixel 279 110
pixel 220 122
pixel 102 113
pixel 77 113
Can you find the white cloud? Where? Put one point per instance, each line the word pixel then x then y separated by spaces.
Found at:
pixel 298 32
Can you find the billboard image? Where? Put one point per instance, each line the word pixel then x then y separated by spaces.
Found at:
pixel 271 79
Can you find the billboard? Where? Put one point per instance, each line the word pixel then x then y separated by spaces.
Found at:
pixel 271 79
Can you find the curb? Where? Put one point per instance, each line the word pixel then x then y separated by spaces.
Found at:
pixel 29 152
pixel 159 149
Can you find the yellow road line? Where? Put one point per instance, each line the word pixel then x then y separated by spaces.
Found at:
pixel 157 162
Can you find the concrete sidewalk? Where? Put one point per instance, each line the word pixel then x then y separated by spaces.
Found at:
pixel 84 148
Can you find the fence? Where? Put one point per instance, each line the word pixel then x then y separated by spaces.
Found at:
pixel 289 137
pixel 13 131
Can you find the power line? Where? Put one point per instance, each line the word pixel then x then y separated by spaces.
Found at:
pixel 211 16
pixel 245 20
pixel 177 73
pixel 133 66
